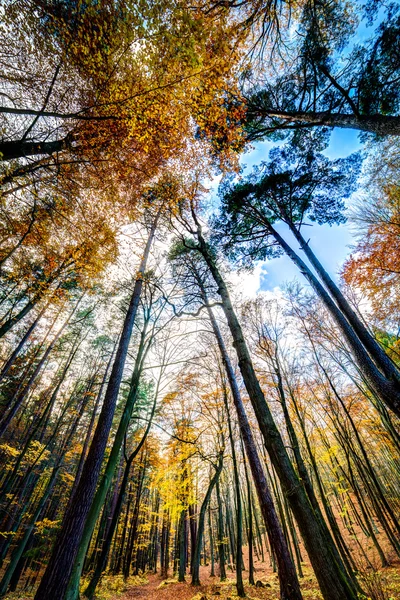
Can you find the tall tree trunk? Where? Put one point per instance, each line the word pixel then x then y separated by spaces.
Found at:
pixel 55 580
pixel 88 435
pixel 193 532
pixel 250 535
pixel 377 123
pixel 182 545
pixel 202 516
pixel 23 148
pixel 220 540
pixel 239 510
pixel 210 535
pixel 334 581
pixel 387 390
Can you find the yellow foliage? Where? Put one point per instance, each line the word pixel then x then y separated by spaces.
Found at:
pixel 42 526
pixel 9 450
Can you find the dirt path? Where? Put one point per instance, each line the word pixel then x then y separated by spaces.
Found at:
pixel 388 580
pixel 162 590
pixel 211 588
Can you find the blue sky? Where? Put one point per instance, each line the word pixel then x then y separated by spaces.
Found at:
pixel 331 244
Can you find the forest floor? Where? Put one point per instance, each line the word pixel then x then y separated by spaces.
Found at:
pixel 378 585
pixel 383 584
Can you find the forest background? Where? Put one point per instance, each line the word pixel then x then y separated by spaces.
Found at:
pixel 200 299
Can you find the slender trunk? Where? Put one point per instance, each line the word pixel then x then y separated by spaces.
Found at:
pixel 10 361
pixel 182 545
pixel 387 390
pixel 55 580
pixel 118 561
pixel 377 123
pixel 200 530
pixel 250 535
pixel 239 510
pixel 193 533
pixel 165 544
pixel 210 535
pixel 220 541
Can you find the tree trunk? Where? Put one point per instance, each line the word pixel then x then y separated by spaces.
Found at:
pixel 23 148
pixel 202 516
pixel 88 435
pixel 182 546
pixel 239 510
pixel 378 124
pixel 250 535
pixel 220 540
pixel 334 581
pixel 55 580
pixel 210 535
pixel 387 391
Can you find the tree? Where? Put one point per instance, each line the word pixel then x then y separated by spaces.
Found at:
pixel 329 569
pixel 292 187
pixel 326 76
pixel 373 266
pixel 61 563
pixel 108 77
